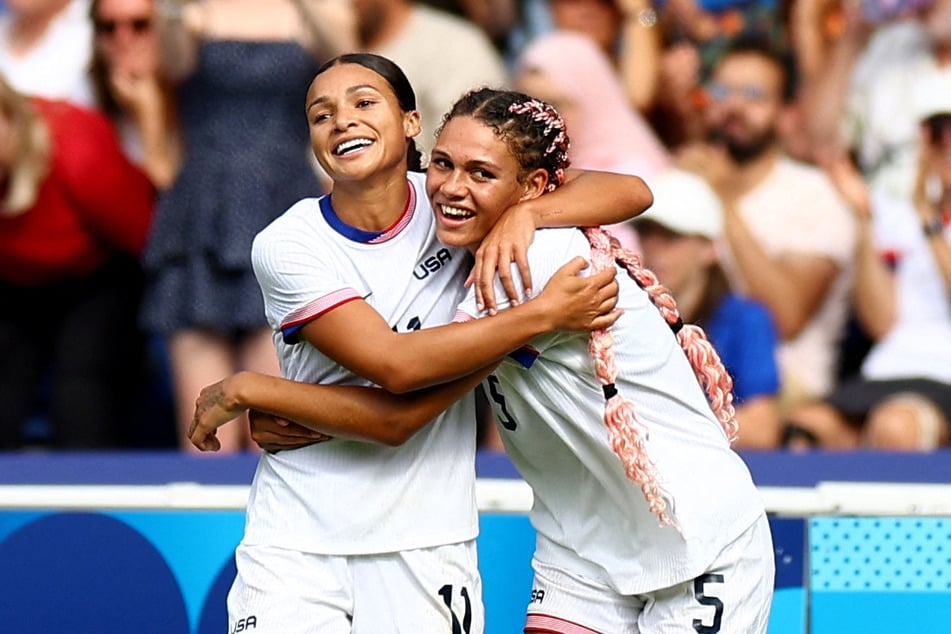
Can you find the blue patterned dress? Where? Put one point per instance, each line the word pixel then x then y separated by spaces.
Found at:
pixel 247 159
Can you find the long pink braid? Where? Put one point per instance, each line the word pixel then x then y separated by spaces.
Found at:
pixel 627 435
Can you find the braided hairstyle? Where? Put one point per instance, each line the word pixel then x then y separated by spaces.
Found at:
pixel 536 136
pixel 533 130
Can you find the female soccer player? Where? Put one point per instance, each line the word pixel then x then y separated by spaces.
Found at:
pixel 654 524
pixel 355 286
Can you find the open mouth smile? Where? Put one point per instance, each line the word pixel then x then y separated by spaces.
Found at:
pixel 456 213
pixel 352 145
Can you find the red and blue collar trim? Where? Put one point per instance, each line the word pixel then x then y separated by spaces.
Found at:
pixel 369 237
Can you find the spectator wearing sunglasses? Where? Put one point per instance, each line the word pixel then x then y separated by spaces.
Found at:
pixel 901 398
pixel 130 88
pixel 45 48
pixel 788 233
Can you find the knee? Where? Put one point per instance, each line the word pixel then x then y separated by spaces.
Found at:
pixel 905 422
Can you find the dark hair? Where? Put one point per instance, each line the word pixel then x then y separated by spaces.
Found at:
pixel 532 129
pixel 759 44
pixel 396 78
pixel 99 74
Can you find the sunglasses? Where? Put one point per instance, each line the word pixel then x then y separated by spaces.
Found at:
pixel 139 26
pixel 939 128
pixel 748 92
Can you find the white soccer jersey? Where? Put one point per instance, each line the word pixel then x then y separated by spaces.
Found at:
pixel 344 497
pixel 550 409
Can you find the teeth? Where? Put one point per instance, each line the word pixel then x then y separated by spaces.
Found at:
pixel 349 146
pixel 455 212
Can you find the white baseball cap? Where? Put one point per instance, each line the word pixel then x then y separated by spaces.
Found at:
pixel 932 94
pixel 685 204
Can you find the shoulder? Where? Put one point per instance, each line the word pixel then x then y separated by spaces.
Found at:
pixel 811 182
pixel 76 129
pixel 295 225
pixel 564 242
pixel 62 113
pixel 743 312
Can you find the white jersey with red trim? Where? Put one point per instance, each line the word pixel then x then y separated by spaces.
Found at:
pixel 550 409
pixel 345 497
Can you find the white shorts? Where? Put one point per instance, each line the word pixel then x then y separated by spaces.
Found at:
pixel 733 596
pixel 280 591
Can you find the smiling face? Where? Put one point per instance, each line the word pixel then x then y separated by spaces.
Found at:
pixel 472 178
pixel 357 127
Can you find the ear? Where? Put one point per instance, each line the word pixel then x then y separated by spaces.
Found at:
pixel 412 124
pixel 535 184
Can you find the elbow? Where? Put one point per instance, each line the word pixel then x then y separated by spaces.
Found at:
pixel 397 376
pixel 398 429
pixel 398 383
pixel 644 195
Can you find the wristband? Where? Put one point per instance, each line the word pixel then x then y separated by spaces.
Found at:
pixel 934 227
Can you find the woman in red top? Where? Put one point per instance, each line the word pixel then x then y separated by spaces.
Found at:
pixel 74 215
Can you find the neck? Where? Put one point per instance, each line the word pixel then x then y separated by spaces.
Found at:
pixel 751 173
pixel 371 206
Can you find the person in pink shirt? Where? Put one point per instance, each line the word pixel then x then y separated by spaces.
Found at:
pixel 569 71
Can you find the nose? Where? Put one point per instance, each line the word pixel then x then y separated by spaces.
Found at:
pixel 343 118
pixel 453 184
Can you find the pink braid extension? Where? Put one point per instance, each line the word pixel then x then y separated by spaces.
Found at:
pixel 704 359
pixel 547 115
pixel 628 436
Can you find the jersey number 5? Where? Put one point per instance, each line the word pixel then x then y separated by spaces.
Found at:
pixel 714 602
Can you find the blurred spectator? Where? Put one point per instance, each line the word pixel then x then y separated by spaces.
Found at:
pixel 496 18
pixel 790 236
pixel 860 99
pixel 679 238
pixel 74 217
pixel 442 55
pixel 130 89
pixel 243 68
pixel 569 71
pixel 694 34
pixel 624 31
pixel 902 396
pixel 45 48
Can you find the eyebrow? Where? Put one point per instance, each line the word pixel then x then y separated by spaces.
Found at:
pixel 352 89
pixel 477 163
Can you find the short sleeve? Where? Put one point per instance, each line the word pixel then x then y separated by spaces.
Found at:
pixel 297 278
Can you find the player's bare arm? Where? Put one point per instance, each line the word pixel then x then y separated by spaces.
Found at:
pixel 587 198
pixel 568 302
pixel 410 361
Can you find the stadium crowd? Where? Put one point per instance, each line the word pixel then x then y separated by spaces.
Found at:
pixel 800 153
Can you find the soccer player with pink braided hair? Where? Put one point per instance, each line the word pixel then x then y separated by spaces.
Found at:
pixel 647 520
